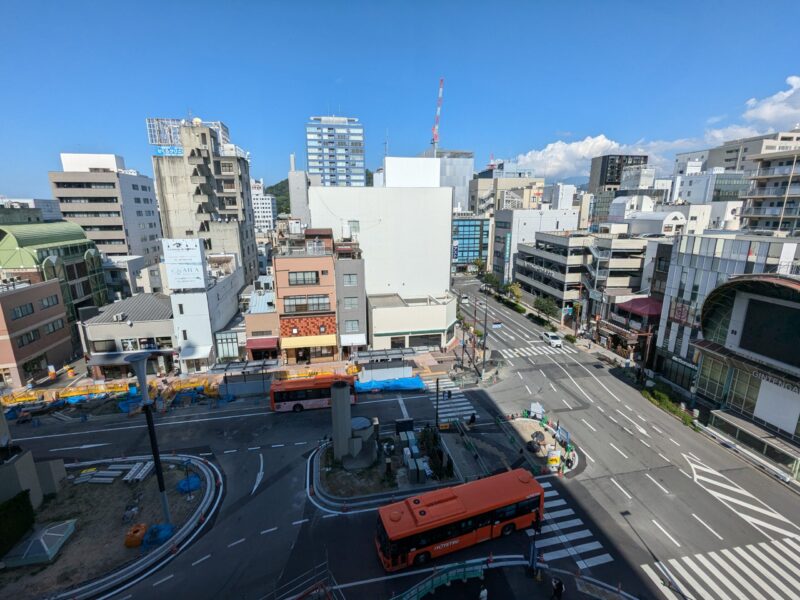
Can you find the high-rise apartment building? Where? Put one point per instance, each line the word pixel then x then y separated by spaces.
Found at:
pixel 772 203
pixel 203 188
pixel 606 172
pixel 265 207
pixel 456 170
pixel 115 206
pixel 335 150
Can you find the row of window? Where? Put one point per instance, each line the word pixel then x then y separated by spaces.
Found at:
pixel 294 304
pixel 145 213
pixel 92 185
pixel 144 188
pixel 98 200
pixel 90 215
pixel 23 310
pixel 143 201
pixel 34 335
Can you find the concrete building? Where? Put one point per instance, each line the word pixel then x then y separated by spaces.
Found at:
pixel 204 192
pixel 126 276
pixel 606 171
pixel 472 239
pixel 140 323
pixel 457 170
pixel 351 297
pixel 749 367
pixel 411 172
pixel 115 206
pixel 488 195
pixel 738 155
pixel 388 224
pixel 34 332
pixel 700 263
pixel 513 227
pixel 670 222
pixel 305 291
pixel 637 177
pixel 697 217
pixel 622 206
pixel 49 207
pixel 15 214
pixel 58 250
pixel 335 151
pixel 772 202
pixel 584 201
pixel 262 322
pixel 714 185
pixel 559 195
pixel 265 207
pixel 600 208
pixel 505 170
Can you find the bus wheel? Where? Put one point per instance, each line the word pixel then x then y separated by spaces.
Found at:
pixel 421 558
pixel 508 529
pixel 297 408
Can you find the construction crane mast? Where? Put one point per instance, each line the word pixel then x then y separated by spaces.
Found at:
pixel 435 140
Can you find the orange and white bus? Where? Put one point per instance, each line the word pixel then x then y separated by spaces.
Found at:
pixel 307 392
pixel 419 528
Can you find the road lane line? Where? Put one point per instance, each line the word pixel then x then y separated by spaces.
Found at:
pixel 160 581
pixel 664 531
pixel 236 543
pixel 199 560
pixel 508 360
pixel 601 409
pixel 532 361
pixel 564 401
pixel 277 445
pixel 299 522
pixel 330 516
pixel 638 427
pixel 529 390
pixel 684 472
pixel 657 429
pixel 519 374
pixel 642 418
pixel 618 450
pixel 674 442
pixel 552 386
pixel 621 489
pixel 613 419
pixel 645 443
pixel 664 457
pixel 586 454
pixel 230 451
pixel 659 583
pixel 270 530
pixel 663 489
pixel 260 474
pixel 300 443
pixel 629 408
pixel 254 448
pixel 542 372
pixel 704 524
pixel 585 422
pixel 206 454
pixel 694 457
pixel 628 430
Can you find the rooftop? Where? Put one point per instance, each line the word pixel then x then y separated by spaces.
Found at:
pixel 38 235
pixel 141 307
pixel 261 302
pixel 396 301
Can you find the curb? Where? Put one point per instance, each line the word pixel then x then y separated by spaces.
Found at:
pixel 132 573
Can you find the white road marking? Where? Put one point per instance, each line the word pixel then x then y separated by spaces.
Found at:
pixel 554 503
pixel 542 372
pixel 564 512
pixel 661 487
pixel 206 454
pixel 519 374
pixel 638 427
pixel 618 450
pixel 684 472
pixel 199 560
pixel 704 524
pixel 628 430
pixel 601 409
pixel 402 407
pixel 529 390
pixel 236 543
pixel 659 583
pixel 586 454
pixel 270 530
pixel 230 451
pixel 160 581
pixel 585 422
pixel 629 408
pixel 674 442
pixel 678 567
pixel 300 443
pixel 575 383
pixel 84 447
pixel 255 448
pixel 277 445
pixel 613 419
pixel 260 474
pixel 621 489
pixel 657 429
pixel 645 443
pixel 641 417
pixel 664 457
pixel 299 522
pixel 508 360
pixel 664 531
pixel 694 457
pixel 553 387
pixel 532 361
pixel 330 516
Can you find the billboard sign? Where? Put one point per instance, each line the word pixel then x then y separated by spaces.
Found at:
pixel 185 263
pixel 169 150
pixel 186 277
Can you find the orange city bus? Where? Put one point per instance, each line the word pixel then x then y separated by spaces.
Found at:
pixel 307 392
pixel 419 528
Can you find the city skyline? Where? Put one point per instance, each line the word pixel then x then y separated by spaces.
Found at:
pixel 567 111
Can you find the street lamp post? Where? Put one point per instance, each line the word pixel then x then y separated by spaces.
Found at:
pixel 485 335
pixel 437 403
pixel 138 362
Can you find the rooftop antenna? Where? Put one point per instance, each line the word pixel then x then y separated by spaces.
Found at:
pixel 435 140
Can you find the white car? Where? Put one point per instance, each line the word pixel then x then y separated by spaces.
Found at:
pixel 551 339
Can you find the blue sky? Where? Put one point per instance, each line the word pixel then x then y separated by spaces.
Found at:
pixel 551 82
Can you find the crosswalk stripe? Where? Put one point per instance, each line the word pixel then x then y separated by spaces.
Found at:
pixel 676 566
pixel 557 514
pixel 546 484
pixel 550 493
pixel 659 583
pixel 573 551
pixel 706 579
pixel 561 525
pixel 563 538
pixel 775 566
pixel 554 503
pixel 724 580
pixel 736 576
pixel 782 559
pixel 744 569
pixel 765 567
pixel 600 559
pixel 792 543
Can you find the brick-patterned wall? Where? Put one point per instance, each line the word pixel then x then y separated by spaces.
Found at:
pixel 308 325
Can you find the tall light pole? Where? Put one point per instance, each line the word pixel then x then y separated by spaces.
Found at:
pixel 437 403
pixel 485 334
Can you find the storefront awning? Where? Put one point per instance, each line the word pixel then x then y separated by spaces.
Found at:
pixel 195 352
pixel 308 341
pixel 644 307
pixel 353 339
pixel 262 343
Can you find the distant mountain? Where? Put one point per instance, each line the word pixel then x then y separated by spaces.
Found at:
pixel 281 192
pixel 577 180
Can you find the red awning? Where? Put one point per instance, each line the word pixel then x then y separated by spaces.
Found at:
pixel 644 307
pixel 262 343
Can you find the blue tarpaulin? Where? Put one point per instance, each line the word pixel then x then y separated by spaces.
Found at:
pixel 189 484
pixel 157 535
pixel 404 384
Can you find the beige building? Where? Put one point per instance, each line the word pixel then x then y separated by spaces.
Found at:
pixel 503 193
pixel 411 322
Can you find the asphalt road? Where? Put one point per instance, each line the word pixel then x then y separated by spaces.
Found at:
pixel 651 494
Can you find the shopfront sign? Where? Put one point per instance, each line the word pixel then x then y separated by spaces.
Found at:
pixel 777 381
pixel 544 270
pixel 685 363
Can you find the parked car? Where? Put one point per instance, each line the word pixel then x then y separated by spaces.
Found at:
pixel 551 339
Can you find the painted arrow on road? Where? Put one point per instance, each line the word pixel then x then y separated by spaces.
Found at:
pixel 84 447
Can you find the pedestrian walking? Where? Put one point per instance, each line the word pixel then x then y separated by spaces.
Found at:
pixel 558 589
pixel 484 595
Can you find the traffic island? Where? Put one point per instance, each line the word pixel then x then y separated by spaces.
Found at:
pixel 105 508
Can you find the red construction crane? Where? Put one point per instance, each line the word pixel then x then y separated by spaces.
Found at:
pixel 435 140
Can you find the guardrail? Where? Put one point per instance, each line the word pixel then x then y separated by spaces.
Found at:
pixel 459 572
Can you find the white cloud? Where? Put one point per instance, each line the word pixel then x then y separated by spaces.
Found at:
pixel 781 110
pixel 563 159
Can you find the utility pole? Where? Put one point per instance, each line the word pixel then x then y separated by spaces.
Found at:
pixel 485 335
pixel 437 403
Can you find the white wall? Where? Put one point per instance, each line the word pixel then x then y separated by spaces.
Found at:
pixel 83 162
pixel 410 319
pixel 403 171
pixel 404 234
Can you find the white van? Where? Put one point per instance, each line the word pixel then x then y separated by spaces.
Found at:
pixel 551 339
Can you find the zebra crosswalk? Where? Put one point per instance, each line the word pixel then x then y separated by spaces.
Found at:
pixel 454 405
pixel 539 350
pixel 564 535
pixel 762 571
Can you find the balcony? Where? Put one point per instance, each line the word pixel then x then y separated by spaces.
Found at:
pixel 572 259
pixel 557 292
pixel 773 191
pixel 597 273
pixel 599 254
pixel 770 211
pixel 195 160
pixel 775 171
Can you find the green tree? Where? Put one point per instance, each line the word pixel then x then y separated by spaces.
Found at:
pixel 547 306
pixel 515 291
pixel 491 280
pixel 480 265
pixel 281 192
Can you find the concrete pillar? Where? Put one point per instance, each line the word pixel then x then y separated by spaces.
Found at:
pixel 340 411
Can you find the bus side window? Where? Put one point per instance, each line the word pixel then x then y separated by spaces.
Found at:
pixel 527 506
pixel 467 526
pixel 279 396
pixel 505 513
pixel 484 519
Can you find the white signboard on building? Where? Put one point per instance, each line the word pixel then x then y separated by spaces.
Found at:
pixel 185 264
pixel 186 277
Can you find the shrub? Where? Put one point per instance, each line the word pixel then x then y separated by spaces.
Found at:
pixel 520 309
pixel 16 519
pixel 478 333
pixel 570 338
pixel 551 327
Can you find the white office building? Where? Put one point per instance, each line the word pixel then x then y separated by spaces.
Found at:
pixel 335 151
pixel 265 208
pixel 559 195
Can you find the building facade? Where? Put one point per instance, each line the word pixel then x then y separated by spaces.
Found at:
pixel 471 242
pixel 49 207
pixel 351 297
pixel 457 169
pixel 262 322
pixel 335 151
pixel 265 208
pixel 204 192
pixel 772 202
pixel 34 332
pixel 606 171
pixel 115 206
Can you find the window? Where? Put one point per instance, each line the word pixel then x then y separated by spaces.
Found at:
pixel 183 334
pixel 129 344
pixel 354 226
pixel 49 301
pixel 293 304
pixel 350 279
pixel 351 326
pixel 350 303
pixel 104 346
pixel 303 278
pixel 22 311
pixel 54 326
pixel 28 338
pixel 180 309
